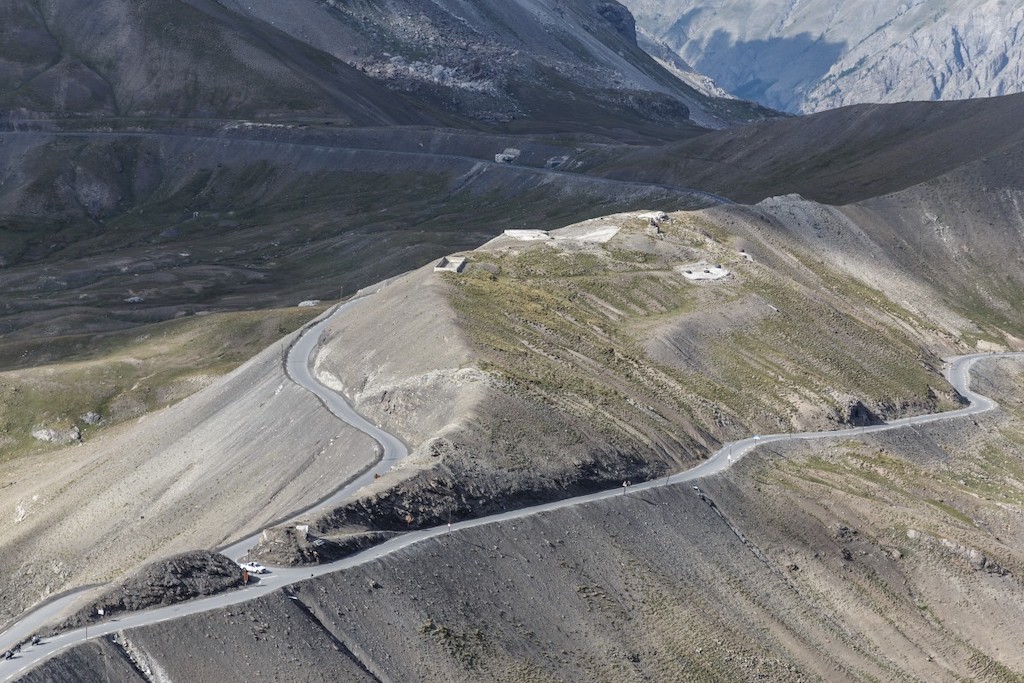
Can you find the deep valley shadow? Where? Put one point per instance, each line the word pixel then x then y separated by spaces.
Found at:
pixel 775 72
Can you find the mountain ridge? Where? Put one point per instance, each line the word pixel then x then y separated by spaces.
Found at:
pixel 805 57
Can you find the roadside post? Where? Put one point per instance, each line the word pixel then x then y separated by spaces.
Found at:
pixel 99 611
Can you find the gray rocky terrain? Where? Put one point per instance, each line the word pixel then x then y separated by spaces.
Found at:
pixel 500 63
pixel 98 660
pixel 494 602
pixel 402 62
pixel 167 581
pixel 211 169
pixel 286 545
pixel 154 227
pixel 836 157
pixel 849 560
pixel 823 54
pixel 145 206
pixel 546 370
pixel 237 456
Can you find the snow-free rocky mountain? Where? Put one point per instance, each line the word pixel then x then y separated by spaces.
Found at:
pixel 176 176
pixel 400 61
pixel 109 108
pixel 811 55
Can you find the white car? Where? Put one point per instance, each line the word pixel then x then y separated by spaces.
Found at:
pixel 254 568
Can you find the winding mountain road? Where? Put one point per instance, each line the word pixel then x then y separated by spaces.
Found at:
pixel 298 366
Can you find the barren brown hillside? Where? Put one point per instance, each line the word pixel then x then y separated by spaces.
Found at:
pixel 894 558
pixel 561 365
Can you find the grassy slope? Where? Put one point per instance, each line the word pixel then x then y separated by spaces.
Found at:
pixel 923 527
pixel 123 375
pixel 573 329
pixel 608 364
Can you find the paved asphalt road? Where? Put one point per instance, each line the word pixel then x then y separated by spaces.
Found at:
pixel 299 368
pixel 298 362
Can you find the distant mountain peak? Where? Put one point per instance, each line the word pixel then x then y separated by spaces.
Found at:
pixel 821 54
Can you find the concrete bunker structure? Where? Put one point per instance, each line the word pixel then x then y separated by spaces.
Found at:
pixel 450 264
pixel 702 271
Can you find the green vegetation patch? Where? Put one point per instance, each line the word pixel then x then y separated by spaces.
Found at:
pixel 812 348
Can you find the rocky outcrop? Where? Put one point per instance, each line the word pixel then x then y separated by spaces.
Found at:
pixel 976 559
pixel 500 62
pixel 56 435
pixel 293 546
pixel 620 18
pixel 164 582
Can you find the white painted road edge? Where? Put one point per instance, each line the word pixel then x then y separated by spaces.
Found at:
pixel 957 372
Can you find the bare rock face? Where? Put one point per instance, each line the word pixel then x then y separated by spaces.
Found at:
pixel 497 62
pixel 822 54
pixel 976 559
pixel 620 18
pixel 164 582
pixel 293 546
pixel 56 435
